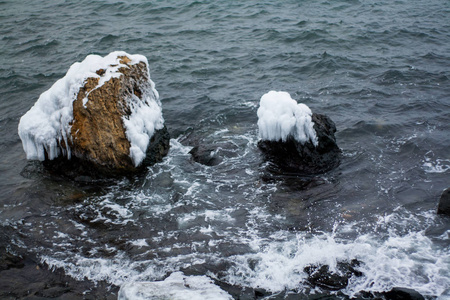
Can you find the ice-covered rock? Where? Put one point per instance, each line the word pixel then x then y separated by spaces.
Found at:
pixel 105 112
pixel 280 117
pixel 177 287
pixel 293 138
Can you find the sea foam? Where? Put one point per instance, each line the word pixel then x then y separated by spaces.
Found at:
pixel 177 286
pixel 46 126
pixel 280 117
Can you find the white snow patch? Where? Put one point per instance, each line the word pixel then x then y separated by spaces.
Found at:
pixel 47 124
pixel 177 286
pixel 280 117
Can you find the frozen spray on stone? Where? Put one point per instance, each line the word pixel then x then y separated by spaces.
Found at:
pixel 293 138
pixel 104 112
pixel 281 117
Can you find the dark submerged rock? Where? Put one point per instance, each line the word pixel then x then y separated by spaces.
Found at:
pixel 321 276
pixel 205 155
pixel 444 203
pixel 399 293
pixel 294 157
pixel 158 148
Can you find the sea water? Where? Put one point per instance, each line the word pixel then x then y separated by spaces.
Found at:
pixel 378 69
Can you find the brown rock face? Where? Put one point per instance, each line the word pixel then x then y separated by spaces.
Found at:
pixel 98 133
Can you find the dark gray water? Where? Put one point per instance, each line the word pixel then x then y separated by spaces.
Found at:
pixel 379 69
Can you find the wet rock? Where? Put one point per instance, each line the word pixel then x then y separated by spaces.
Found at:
pixel 158 148
pixel 321 276
pixel 294 157
pixel 444 203
pixel 399 293
pixel 205 155
pixel 9 259
pixel 22 276
pixel 37 281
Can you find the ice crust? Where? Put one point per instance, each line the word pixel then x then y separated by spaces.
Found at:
pixel 145 118
pixel 177 286
pixel 47 124
pixel 280 117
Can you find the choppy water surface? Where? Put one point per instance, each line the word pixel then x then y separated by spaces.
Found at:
pixel 379 69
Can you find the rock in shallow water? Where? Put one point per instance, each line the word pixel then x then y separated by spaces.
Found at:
pixel 321 276
pixel 23 276
pixel 305 158
pixel 399 293
pixel 444 203
pixel 98 131
pixel 103 117
pixel 205 155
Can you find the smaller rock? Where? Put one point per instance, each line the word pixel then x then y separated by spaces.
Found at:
pixel 293 138
pixel 444 203
pixel 293 156
pixel 321 276
pixel 206 152
pixel 205 155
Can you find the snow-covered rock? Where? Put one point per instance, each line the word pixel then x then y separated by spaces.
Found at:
pixel 105 112
pixel 280 117
pixel 293 138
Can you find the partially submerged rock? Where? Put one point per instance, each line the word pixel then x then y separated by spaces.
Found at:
pixel 206 152
pixel 444 203
pixel 104 116
pixel 321 276
pixel 400 293
pixel 293 138
pixel 205 155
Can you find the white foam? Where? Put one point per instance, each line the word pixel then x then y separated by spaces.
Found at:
pixel 208 216
pixel 139 243
pixel 438 166
pixel 46 125
pixel 177 287
pixel 410 260
pixel 280 117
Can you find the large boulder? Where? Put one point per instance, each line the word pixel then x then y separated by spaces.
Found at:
pixel 104 116
pixel 293 138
